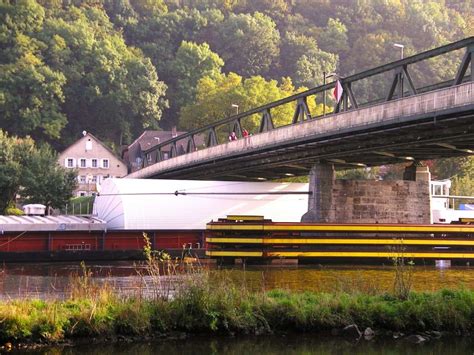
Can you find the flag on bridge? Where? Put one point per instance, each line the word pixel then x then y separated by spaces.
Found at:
pixel 338 91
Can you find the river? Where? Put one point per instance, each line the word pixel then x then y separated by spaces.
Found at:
pixel 51 280
pixel 288 344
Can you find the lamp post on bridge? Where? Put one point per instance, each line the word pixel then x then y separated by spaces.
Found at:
pixel 326 76
pixel 237 107
pixel 401 46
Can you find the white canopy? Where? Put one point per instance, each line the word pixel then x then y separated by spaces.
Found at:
pixel 139 204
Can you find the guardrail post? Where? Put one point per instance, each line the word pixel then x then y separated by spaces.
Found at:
pixel 464 65
pixel 173 150
pixel 302 111
pixel 212 138
pixel 237 128
pixel 266 123
pixel 191 145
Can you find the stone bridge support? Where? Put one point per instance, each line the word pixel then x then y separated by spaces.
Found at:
pixel 322 178
pixel 369 201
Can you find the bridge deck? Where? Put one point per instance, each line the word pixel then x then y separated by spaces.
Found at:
pixel 426 126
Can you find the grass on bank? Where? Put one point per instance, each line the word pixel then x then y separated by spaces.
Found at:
pixel 216 305
pixel 192 299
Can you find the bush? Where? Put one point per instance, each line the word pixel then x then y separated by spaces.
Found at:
pixel 13 211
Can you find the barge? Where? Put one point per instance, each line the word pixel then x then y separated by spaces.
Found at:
pixel 254 238
pixel 175 216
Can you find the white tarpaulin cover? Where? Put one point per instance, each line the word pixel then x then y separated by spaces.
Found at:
pixel 189 204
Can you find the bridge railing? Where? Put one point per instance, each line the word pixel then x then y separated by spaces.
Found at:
pixel 401 86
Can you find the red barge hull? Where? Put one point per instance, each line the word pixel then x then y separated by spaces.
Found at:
pixel 30 246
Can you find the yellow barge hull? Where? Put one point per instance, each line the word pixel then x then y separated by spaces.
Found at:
pixel 256 237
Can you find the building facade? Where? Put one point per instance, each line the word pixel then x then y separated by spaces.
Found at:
pixel 94 163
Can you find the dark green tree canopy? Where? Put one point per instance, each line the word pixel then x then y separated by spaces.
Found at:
pixel 33 172
pixel 248 43
pixel 105 65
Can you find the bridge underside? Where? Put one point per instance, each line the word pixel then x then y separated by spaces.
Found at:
pixel 447 133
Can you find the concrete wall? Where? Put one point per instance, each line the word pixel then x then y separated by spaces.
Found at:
pixel 369 201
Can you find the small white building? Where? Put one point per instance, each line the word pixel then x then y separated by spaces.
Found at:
pixel 138 204
pixel 443 205
pixel 94 161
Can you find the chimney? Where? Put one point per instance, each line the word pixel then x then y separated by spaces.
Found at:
pixel 173 132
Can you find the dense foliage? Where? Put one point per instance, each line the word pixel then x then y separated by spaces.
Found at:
pixel 115 67
pixel 70 65
pixel 34 172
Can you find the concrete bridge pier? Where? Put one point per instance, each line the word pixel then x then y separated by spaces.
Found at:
pixel 322 178
pixel 369 201
pixel 417 172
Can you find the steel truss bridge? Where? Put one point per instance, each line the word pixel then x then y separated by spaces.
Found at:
pixel 409 123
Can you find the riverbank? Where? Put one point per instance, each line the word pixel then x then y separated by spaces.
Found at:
pixel 214 306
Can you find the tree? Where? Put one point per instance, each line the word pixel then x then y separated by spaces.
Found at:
pixel 193 61
pixel 150 7
pixel 10 168
pixel 31 92
pixel 45 181
pixel 304 61
pixel 310 68
pixel 31 95
pixel 33 172
pixel 334 38
pixel 249 44
pixel 275 9
pixel 215 96
pixel 111 89
pixel 461 172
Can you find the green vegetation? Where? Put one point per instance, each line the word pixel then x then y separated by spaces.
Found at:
pixel 80 205
pixel 104 65
pixel 116 67
pixel 11 210
pixel 34 171
pixel 186 297
pixel 218 306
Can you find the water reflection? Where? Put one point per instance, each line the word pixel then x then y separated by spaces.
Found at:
pixel 288 345
pixel 52 280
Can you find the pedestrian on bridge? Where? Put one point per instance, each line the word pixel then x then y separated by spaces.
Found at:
pixel 233 136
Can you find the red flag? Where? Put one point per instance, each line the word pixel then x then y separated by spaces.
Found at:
pixel 338 91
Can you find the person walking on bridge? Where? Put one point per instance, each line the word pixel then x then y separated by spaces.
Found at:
pixel 232 136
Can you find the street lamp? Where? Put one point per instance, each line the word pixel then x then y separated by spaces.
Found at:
pixel 326 76
pixel 236 106
pixel 401 46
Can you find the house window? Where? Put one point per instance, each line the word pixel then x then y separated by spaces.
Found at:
pixel 94 178
pixel 70 162
pixel 81 193
pixel 105 163
pixel 82 179
pixel 94 163
pixel 83 163
pixel 166 156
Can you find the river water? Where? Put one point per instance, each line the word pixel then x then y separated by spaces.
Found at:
pixel 52 280
pixel 288 344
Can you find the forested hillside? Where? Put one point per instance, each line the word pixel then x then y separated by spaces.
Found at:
pixel 115 67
